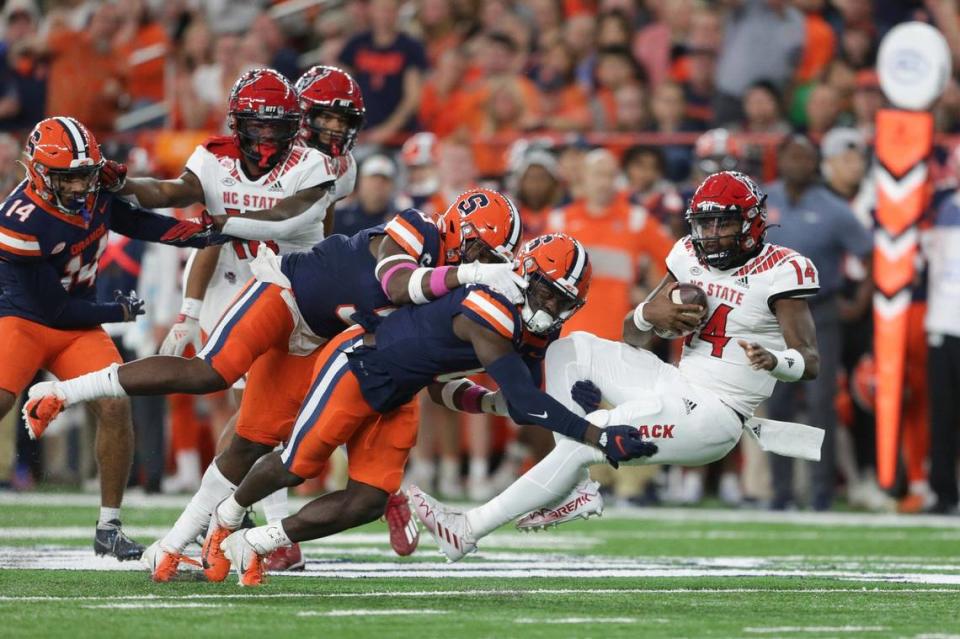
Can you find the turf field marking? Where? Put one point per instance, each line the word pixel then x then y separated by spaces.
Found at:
pixel 137 499
pixel 496 592
pixel 779 629
pixel 159 604
pixel 566 620
pixel 370 613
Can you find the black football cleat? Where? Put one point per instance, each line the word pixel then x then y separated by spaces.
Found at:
pixel 111 541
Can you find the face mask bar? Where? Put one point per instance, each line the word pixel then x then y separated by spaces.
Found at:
pixel 266 150
pixel 71 200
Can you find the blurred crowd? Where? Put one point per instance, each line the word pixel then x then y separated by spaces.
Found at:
pixel 598 117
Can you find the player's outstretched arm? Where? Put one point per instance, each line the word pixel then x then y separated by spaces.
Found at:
pixel 141 224
pixel 530 405
pixel 404 281
pixel 284 220
pixel 39 290
pixel 152 193
pixel 801 359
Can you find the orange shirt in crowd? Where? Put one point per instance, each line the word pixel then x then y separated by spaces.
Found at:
pixel 81 79
pixel 442 115
pixel 620 244
pixel 535 221
pixel 818 48
pixel 145 56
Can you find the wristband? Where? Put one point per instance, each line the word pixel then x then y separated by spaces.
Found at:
pixel 415 286
pixel 470 399
pixel 448 390
pixel 438 281
pixel 191 307
pixel 638 320
pixel 385 280
pixel 790 365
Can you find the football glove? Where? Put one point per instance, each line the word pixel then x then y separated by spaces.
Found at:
pixel 587 395
pixel 499 277
pixel 189 229
pixel 131 304
pixel 113 175
pixel 623 443
pixel 185 331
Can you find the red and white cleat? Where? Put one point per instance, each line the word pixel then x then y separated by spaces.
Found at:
pixel 404 532
pixel 163 565
pixel 584 501
pixel 43 405
pixel 286 558
pixel 448 526
pixel 215 565
pixel 242 554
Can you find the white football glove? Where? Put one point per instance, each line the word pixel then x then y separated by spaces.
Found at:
pixel 494 403
pixel 185 331
pixel 499 277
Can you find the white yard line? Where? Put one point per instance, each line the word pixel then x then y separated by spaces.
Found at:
pixel 710 515
pixel 576 620
pixel 158 604
pixel 479 592
pixel 824 629
pixel 370 613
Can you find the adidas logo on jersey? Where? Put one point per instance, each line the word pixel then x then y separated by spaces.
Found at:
pixel 742 281
pixel 689 405
pixel 276 187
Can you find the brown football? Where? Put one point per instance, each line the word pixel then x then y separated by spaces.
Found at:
pixel 684 293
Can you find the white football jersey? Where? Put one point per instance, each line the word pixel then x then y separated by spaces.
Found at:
pixel 740 306
pixel 228 191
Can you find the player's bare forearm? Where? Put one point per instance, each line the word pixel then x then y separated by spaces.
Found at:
pixel 633 335
pixel 799 332
pixel 152 193
pixel 397 286
pixel 200 270
pixel 328 220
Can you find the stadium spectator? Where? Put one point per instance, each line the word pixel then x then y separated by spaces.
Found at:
pixel 762 41
pixel 23 86
pixel 144 44
pixel 669 116
pixel 867 101
pixel 645 169
pixel 656 45
pixel 627 246
pixel 388 65
pixel 632 111
pixel 941 247
pixel 822 110
pixel 615 68
pixel 698 86
pixel 419 157
pixel 444 98
pixel 763 110
pixel 204 98
pixel 808 218
pixel 373 202
pixel 535 188
pixel 456 172
pixel 280 56
pixel 565 101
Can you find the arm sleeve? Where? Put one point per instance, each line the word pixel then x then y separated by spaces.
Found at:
pixel 530 405
pixel 141 224
pixel 266 230
pixel 416 235
pixel 39 289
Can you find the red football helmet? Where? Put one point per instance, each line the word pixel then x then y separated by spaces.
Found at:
pixel 420 149
pixel 63 164
pixel 264 115
pixel 732 200
pixel 325 89
pixel 558 272
pixel 479 223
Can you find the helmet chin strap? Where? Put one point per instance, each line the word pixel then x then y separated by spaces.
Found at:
pixel 538 321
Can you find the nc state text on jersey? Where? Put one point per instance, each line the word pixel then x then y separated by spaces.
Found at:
pixel 249 201
pixel 721 292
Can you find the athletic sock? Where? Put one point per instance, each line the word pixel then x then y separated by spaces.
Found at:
pixel 95 385
pixel 266 539
pixel 214 488
pixel 276 506
pixel 230 513
pixel 542 485
pixel 107 515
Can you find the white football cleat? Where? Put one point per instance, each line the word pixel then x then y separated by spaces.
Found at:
pixel 448 526
pixel 584 501
pixel 245 558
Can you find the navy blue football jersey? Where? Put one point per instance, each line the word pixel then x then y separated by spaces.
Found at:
pixel 416 346
pixel 335 283
pixel 49 260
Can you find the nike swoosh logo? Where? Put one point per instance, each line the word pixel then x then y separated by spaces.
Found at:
pixel 543 416
pixel 619 441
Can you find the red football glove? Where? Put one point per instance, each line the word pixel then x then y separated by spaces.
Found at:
pixel 113 175
pixel 189 229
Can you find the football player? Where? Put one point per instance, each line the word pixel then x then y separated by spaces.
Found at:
pixel 261 186
pixel 53 230
pixel 295 303
pixel 363 382
pixel 757 329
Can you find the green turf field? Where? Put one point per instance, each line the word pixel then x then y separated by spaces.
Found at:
pixel 650 573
